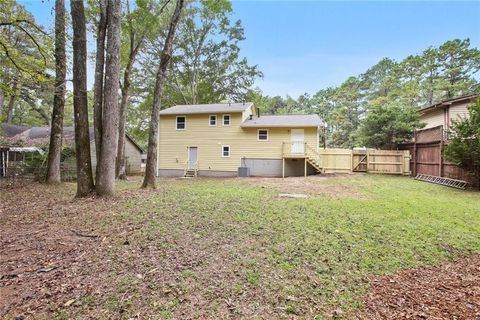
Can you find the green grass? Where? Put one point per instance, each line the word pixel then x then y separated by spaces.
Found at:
pixel 229 240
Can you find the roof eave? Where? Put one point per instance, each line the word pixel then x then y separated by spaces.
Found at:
pixel 280 126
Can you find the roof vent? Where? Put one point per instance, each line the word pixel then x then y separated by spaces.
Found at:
pixel 258 112
pixel 251 117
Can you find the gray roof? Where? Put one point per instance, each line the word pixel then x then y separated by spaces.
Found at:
pixel 41 135
pixel 10 130
pixel 287 120
pixel 207 108
pixel 37 133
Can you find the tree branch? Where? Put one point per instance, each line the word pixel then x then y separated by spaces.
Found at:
pixel 7 53
pixel 40 50
pixel 17 21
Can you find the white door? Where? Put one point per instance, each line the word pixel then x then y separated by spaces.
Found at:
pixel 297 139
pixel 192 157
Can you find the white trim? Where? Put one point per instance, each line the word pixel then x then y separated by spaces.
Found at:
pixel 176 123
pixel 209 119
pixel 229 120
pixel 258 135
pixel 229 151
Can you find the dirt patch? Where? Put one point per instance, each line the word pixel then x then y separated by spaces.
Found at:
pixel 336 186
pixel 45 256
pixel 447 291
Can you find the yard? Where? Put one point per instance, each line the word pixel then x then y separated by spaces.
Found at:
pixel 231 248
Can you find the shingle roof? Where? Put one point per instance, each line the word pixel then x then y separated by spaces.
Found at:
pixel 207 108
pixel 10 130
pixel 288 120
pixel 41 135
pixel 450 102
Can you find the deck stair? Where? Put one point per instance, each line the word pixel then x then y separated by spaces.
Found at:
pixel 313 158
pixel 459 184
pixel 190 170
pixel 190 173
pixel 314 163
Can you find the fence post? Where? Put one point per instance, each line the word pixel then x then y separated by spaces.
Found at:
pixel 351 160
pixel 440 155
pixel 414 152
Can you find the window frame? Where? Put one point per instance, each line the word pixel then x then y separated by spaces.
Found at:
pixel 210 119
pixel 258 135
pixel 229 120
pixel 229 151
pixel 184 123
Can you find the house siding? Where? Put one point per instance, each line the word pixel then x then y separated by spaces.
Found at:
pixel 132 154
pixel 458 112
pixel 433 119
pixel 133 157
pixel 445 116
pixel 243 142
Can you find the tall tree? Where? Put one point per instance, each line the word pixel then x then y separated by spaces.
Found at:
pixel 149 179
pixel 105 181
pixel 136 25
pixel 99 77
pixel 80 103
pixel 387 123
pixel 459 64
pixel 55 148
pixel 25 55
pixel 206 65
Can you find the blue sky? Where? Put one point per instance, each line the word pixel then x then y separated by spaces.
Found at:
pixel 304 46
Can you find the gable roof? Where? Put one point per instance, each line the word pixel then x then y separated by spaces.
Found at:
pixel 207 108
pixel 287 120
pixel 450 102
pixel 41 135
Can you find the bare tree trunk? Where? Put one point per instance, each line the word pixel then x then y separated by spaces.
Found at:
pixel 11 101
pixel 149 179
pixel 105 181
pixel 80 103
pixel 54 151
pixel 98 85
pixel 2 101
pixel 120 166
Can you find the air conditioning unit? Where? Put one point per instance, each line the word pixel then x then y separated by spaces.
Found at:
pixel 243 171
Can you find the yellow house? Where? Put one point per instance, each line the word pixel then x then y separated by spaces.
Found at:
pixel 233 138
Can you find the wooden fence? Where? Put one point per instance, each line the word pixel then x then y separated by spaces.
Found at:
pixel 371 161
pixel 427 158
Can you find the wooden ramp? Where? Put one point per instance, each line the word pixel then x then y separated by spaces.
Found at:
pixel 459 184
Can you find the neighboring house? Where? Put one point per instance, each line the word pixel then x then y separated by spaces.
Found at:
pixel 40 137
pixel 218 139
pixel 443 113
pixel 426 146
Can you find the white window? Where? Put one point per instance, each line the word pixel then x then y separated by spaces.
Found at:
pixel 226 119
pixel 262 135
pixel 225 151
pixel 181 122
pixel 212 120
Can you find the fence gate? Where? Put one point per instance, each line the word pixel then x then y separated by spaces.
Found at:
pixel 365 160
pixel 359 161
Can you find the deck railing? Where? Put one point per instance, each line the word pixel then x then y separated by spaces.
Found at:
pixel 294 148
pixel 299 148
